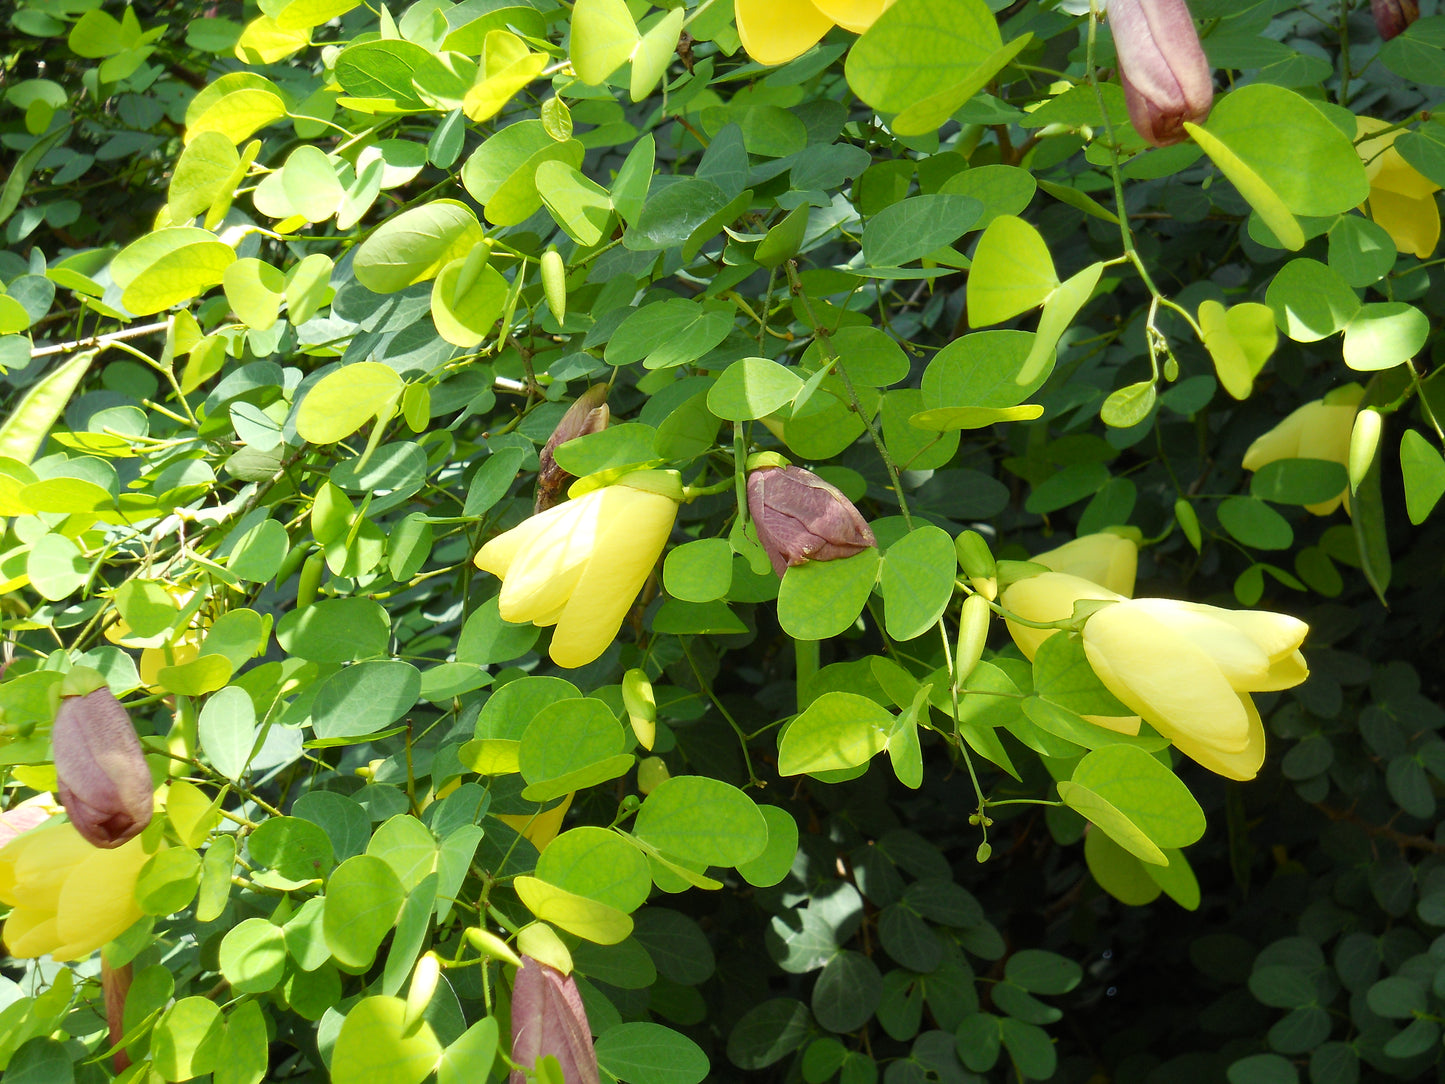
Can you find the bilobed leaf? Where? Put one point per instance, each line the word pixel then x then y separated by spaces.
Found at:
pixel 838 730
pixel 654 53
pixel 752 388
pixel 343 400
pixel 914 227
pixel 580 206
pixel 1423 470
pixel 1062 306
pixel 586 918
pixel 376 1046
pixel 1150 799
pixel 1012 272
pixel 1310 301
pixel 415 245
pixel 917 581
pixel 702 820
pixel 1384 334
pixel 168 266
pixel 819 599
pixel 1239 340
pixel 603 37
pixel 363 898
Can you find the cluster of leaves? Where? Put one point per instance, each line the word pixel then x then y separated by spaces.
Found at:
pixel 347 269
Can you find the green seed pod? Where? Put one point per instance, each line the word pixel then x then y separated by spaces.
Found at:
pixel 1364 443
pixel 972 635
pixel 310 579
pixel 554 283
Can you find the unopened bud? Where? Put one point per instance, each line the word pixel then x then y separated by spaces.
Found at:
pixel 589 414
pixel 1393 16
pixel 976 560
pixel 1162 66
pixel 549 1020
pixel 423 985
pixel 101 774
pixel 799 517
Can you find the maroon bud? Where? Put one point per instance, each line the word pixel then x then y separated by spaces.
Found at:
pixel 1166 76
pixel 589 414
pixel 1392 16
pixel 799 517
pixel 548 1018
pixel 101 775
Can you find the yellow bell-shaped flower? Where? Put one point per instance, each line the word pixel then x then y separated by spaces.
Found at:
pixel 1402 200
pixel 1108 559
pixel 1318 430
pixel 68 897
pixel 1188 670
pixel 777 31
pixel 580 565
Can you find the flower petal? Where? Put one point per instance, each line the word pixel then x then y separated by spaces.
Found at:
pixel 634 528
pixel 776 31
pixel 1158 673
pixel 854 15
pixel 85 919
pixel 543 576
pixel 1242 765
pixel 1049 596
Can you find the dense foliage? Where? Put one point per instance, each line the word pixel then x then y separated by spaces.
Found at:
pixel 293 300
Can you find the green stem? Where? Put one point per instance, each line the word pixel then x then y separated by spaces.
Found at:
pixel 805 652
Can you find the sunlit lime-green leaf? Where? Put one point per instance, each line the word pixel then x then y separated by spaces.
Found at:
pixel 1012 272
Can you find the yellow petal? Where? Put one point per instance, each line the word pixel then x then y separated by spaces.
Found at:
pixel 634 530
pixel 1281 442
pixel 86 918
pixel 854 15
pixel 543 575
pixel 1278 635
pixel 29 934
pixel 1119 724
pixel 1162 676
pixel 1242 661
pixel 1242 765
pixel 497 555
pixel 1413 224
pixel 1106 559
pixel 1284 673
pixel 1049 596
pixel 543 828
pixel 776 31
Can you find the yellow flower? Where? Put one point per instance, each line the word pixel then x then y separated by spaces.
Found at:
pixel 1402 200
pixel 68 898
pixel 1317 430
pixel 1108 559
pixel 776 31
pixel 1187 669
pixel 580 565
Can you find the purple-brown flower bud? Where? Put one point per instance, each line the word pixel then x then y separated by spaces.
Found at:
pixel 1166 76
pixel 548 1018
pixel 589 414
pixel 1393 16
pixel 101 774
pixel 799 517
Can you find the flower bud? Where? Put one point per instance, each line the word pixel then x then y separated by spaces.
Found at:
pixel 1393 16
pixel 589 414
pixel 548 1019
pixel 1162 66
pixel 101 775
pixel 799 517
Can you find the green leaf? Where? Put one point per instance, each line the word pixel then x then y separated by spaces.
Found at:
pixel 1137 801
pixel 923 60
pixel 168 266
pixel 569 745
pixel 1063 675
pixel 1255 523
pixel 345 399
pixel 187 1040
pixel 1360 251
pixel 699 571
pixel 365 698
pixel 375 1045
pixel 603 37
pixel 363 899
pixel 752 388
pixel 821 599
pixel 580 206
pixel 647 1053
pixel 837 730
pixel 1383 334
pixel 297 849
pixel 416 244
pixel 1059 312
pixel 1239 340
pixel 1310 301
pixel 335 630
pixel 917 581
pixel 770 867
pixel 253 956
pixel 668 334
pixel 981 370
pixel 598 864
pixel 915 227
pixel 1012 272
pixel 1285 157
pixel 702 820
pixel 1299 481
pixel 471 1056
pixel 467 301
pixel 1423 470
pixel 227 729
